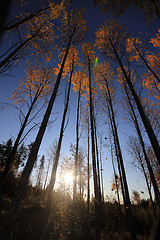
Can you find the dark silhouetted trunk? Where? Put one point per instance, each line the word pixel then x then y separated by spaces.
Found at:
pixel 45 183
pixel 23 20
pixel 117 156
pixel 4 8
pixel 97 154
pixel 96 189
pixel 124 183
pixel 149 189
pixel 134 118
pixel 56 159
pixel 117 188
pixel 150 69
pixel 102 188
pixel 7 61
pixel 145 120
pixel 34 151
pixel 156 8
pixel 14 149
pixel 77 146
pixel 88 174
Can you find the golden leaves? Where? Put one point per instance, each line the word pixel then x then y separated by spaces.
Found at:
pixel 131 42
pixel 71 61
pixel 41 26
pixel 79 80
pixel 104 75
pixel 56 9
pixel 151 84
pixel 38 82
pixel 110 37
pixel 154 60
pixel 156 40
pixel 73 27
pixel 88 52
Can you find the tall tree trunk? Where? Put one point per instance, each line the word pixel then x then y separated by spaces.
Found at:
pixel 124 184
pixel 45 183
pixel 102 188
pixel 96 190
pixel 118 146
pixel 77 146
pixel 150 69
pixel 34 151
pixel 14 149
pixel 80 179
pixel 118 162
pixel 7 61
pixel 122 169
pixel 56 160
pixel 23 20
pixel 4 8
pixel 156 8
pixel 88 174
pixel 134 118
pixel 149 189
pixel 114 171
pixel 145 120
pixel 97 154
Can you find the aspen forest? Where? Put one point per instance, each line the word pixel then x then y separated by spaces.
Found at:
pixel 79 120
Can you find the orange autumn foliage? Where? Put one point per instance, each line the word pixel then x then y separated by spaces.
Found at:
pixel 150 83
pixel 89 59
pixel 111 36
pixel 79 81
pixel 72 22
pixel 156 40
pixel 103 73
pixel 131 42
pixel 38 81
pixel 70 63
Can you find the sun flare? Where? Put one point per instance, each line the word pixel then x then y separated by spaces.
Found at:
pixel 68 177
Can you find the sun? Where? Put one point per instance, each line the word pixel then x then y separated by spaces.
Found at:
pixel 68 177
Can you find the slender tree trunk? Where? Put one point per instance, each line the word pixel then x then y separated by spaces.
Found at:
pixel 120 213
pixel 23 20
pixel 34 151
pixel 4 8
pixel 124 184
pixel 88 174
pixel 97 154
pixel 77 147
pixel 96 190
pixel 80 179
pixel 149 189
pixel 150 69
pixel 128 203
pixel 145 120
pixel 14 149
pixel 118 162
pixel 56 160
pixel 134 118
pixel 102 188
pixel 45 183
pixel 4 63
pixel 40 172
pixel 122 169
pixel 156 8
pixel 118 147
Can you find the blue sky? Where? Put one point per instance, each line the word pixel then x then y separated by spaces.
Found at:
pixel 135 22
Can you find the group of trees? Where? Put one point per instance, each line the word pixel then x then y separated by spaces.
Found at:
pixel 128 61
